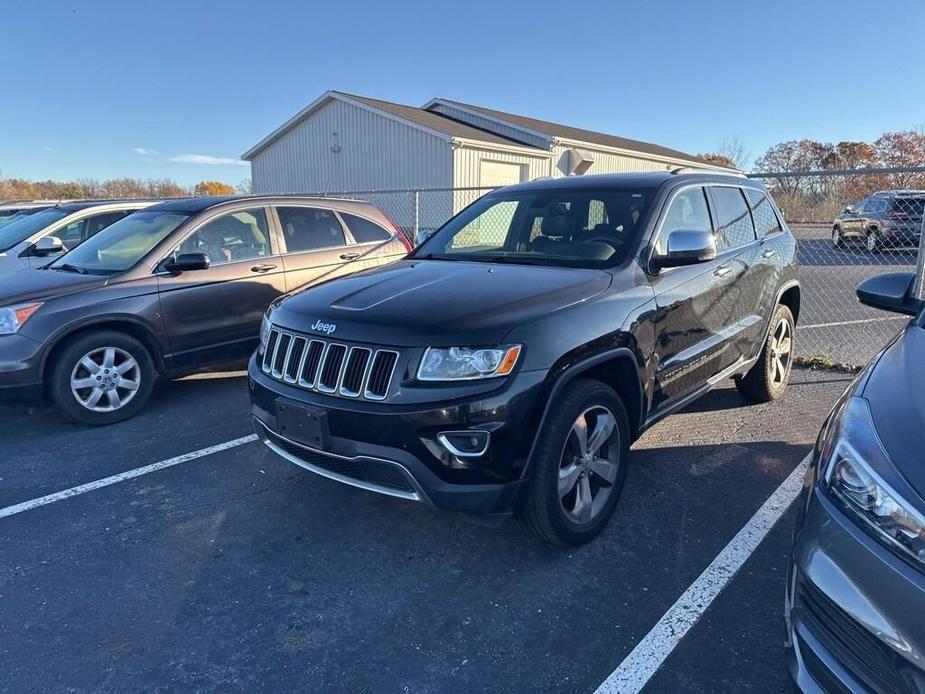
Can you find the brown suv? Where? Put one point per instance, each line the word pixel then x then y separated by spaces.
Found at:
pixel 175 287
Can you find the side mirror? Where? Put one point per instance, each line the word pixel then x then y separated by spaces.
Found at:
pixel 187 262
pixel 891 291
pixel 47 245
pixel 687 248
pixel 849 209
pixel 421 235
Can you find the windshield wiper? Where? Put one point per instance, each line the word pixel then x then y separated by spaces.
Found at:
pixel 67 267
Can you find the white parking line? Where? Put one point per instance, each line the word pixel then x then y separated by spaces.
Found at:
pixel 649 654
pixel 852 322
pixel 122 476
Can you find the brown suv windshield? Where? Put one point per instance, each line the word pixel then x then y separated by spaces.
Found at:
pixel 122 244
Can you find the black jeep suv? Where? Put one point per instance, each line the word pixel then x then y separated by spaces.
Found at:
pixel 510 361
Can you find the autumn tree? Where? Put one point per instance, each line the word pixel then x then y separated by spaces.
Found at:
pixel 718 159
pixel 902 149
pixel 213 188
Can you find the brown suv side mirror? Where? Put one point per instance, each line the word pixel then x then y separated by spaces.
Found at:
pixel 187 262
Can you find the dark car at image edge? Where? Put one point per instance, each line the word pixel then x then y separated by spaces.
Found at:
pixel 509 362
pixel 855 599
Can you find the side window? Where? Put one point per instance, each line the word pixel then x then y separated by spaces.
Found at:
pixel 875 206
pixel 490 229
pixel 688 212
pixel 97 223
pixel 310 229
pixel 363 230
pixel 72 234
pixel 766 221
pixel 733 222
pixel 240 235
pixel 597 213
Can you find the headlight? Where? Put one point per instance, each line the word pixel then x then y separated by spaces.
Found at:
pixel 467 363
pixel 12 318
pixel 264 332
pixel 852 460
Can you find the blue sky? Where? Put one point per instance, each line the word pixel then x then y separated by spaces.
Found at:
pixel 104 89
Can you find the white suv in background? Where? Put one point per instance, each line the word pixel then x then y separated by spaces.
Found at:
pixel 34 240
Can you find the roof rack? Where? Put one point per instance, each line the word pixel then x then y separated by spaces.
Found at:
pixel 905 191
pixel 703 170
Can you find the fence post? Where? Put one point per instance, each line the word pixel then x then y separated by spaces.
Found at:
pixel 919 287
pixel 417 212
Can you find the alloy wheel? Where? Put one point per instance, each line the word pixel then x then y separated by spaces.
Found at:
pixel 105 379
pixel 589 465
pixel 781 348
pixel 873 241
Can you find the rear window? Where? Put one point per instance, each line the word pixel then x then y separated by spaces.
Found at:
pixel 733 222
pixel 911 207
pixel 766 221
pixel 310 229
pixel 363 230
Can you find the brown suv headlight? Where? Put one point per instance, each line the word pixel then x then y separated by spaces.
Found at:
pixel 12 318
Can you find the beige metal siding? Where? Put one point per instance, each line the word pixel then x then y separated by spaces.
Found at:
pixel 468 166
pixel 375 153
pixel 609 162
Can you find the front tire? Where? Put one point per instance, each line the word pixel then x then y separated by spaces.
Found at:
pixel 579 466
pixel 874 241
pixel 837 239
pixel 102 378
pixel 767 379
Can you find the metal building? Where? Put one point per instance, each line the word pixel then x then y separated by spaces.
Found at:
pixel 343 142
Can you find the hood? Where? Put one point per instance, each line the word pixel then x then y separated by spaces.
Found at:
pixel 38 285
pixel 895 390
pixel 441 303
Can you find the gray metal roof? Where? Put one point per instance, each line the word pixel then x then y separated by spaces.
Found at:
pixel 434 121
pixel 570 133
pixel 431 120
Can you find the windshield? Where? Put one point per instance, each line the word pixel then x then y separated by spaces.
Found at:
pixel 19 228
pixel 570 227
pixel 122 244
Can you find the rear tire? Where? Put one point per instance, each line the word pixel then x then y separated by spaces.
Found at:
pixel 571 496
pixel 767 379
pixel 102 378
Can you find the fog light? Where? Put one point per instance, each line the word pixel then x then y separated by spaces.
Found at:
pixel 465 444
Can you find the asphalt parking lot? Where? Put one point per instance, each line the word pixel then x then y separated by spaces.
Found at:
pixel 238 571
pixel 832 322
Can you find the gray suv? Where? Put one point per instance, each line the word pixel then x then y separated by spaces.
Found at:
pixel 172 288
pixel 890 219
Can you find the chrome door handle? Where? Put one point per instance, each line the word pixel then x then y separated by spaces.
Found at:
pixel 349 256
pixel 722 271
pixel 263 267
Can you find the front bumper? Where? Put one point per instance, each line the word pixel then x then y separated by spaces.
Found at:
pixel 20 369
pixel 854 609
pixel 394 449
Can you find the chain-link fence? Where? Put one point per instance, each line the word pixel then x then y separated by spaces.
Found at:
pixel 849 225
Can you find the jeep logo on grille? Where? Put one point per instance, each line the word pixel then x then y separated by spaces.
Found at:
pixel 322 327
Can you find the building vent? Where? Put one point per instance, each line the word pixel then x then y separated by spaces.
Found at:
pixel 577 161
